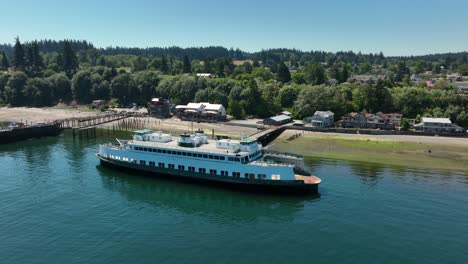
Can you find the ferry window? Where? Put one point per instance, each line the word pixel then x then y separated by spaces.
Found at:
pixel 221 158
pixel 192 169
pixel 169 152
pixel 236 174
pixel 145 149
pixel 231 159
pixel 261 176
pixel 161 165
pixel 210 156
pixel 133 161
pixel 250 176
pixel 179 153
pixel 213 172
pixel 202 170
pixel 171 166
pixel 142 162
pixel 237 159
pixel 205 156
pixel 216 157
pixel 200 155
pixel 189 154
pixel 180 167
pixel 184 153
pixel 163 151
pixel 158 150
pixel 152 163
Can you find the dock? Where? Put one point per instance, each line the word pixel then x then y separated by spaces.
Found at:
pixel 86 126
pixel 266 136
pixel 27 132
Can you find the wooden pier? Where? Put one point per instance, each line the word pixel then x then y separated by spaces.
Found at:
pixel 266 136
pixel 86 126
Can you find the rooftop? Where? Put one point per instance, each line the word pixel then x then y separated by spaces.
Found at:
pixel 324 113
pixel 436 120
pixel 279 118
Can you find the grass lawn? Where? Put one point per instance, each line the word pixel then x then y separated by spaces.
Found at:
pixel 410 154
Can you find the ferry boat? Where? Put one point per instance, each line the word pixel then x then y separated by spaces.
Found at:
pixel 242 164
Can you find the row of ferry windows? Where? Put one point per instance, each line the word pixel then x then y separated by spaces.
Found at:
pixel 203 170
pixel 188 154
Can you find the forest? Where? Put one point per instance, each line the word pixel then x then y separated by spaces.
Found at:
pixel 47 72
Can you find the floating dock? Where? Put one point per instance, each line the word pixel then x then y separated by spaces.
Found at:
pixel 23 133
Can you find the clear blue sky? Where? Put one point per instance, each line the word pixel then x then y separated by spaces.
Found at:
pixel 395 27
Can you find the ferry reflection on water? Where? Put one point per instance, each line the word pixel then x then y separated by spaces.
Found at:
pixel 198 199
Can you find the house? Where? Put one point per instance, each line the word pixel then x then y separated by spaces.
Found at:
pixel 159 107
pixel 435 125
pixel 285 113
pixel 417 79
pixel 462 87
pixel 332 82
pixel 201 112
pixel 206 75
pixel 321 119
pixel 454 77
pixel 98 103
pixel 277 120
pixel 394 118
pixel 368 120
pixel 430 84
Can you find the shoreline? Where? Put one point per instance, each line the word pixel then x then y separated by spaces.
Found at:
pixel 393 150
pixel 407 151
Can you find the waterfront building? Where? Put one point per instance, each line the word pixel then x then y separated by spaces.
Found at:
pixel 201 112
pixel 277 120
pixel 435 125
pixel 369 120
pixel 321 119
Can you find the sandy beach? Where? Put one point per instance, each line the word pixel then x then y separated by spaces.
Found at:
pixel 31 114
pixel 415 151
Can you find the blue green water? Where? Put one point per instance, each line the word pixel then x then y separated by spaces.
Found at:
pixel 58 205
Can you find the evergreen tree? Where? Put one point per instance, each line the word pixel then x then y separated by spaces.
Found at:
pixel 247 67
pixel 70 61
pixel 29 56
pixel 164 66
pixel 314 73
pixel 38 63
pixel 18 57
pixel 187 66
pixel 283 73
pixel 5 63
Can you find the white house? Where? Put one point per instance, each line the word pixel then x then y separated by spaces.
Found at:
pixel 462 87
pixel 201 111
pixel 206 75
pixel 434 125
pixel 321 119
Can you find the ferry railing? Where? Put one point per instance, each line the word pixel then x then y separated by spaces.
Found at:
pixel 283 154
pixel 195 149
pixel 271 164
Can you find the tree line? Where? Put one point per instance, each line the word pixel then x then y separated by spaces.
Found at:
pixel 261 86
